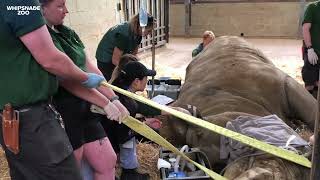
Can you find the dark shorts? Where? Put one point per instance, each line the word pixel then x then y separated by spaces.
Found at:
pixel 45 151
pixel 310 73
pixel 106 69
pixel 80 123
pixel 94 130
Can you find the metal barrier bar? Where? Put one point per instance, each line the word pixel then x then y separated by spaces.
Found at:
pixel 159 9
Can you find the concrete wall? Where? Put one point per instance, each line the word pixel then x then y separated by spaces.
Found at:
pixel 91 19
pixel 273 19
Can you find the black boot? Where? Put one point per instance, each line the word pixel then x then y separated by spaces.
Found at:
pixel 132 174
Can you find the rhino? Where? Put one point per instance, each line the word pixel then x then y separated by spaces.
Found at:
pixel 232 78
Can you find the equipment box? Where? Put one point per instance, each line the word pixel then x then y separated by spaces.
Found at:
pixel 165 86
pixel 184 170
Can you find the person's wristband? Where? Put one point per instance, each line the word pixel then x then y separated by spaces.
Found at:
pixel 114 98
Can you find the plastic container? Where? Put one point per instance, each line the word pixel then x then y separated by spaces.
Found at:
pixel 165 86
pixel 143 14
pixel 187 170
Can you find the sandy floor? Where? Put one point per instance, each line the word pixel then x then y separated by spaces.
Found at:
pixel 173 59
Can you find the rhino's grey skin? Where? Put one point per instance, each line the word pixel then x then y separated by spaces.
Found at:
pixel 231 78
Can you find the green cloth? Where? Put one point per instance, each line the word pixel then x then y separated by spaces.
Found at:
pixel 197 50
pixel 312 15
pixel 68 42
pixel 22 79
pixel 120 36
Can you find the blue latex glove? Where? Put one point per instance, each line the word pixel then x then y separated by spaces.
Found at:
pixel 93 80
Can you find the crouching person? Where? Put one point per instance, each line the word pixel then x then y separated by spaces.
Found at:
pixel 132 77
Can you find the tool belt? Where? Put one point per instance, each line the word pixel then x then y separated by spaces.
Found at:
pixel 10 128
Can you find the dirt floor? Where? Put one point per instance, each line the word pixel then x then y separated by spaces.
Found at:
pixel 172 59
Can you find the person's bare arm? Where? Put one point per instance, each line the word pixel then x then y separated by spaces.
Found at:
pixel 94 69
pixel 117 53
pixel 94 97
pixel 306 34
pixel 90 95
pixel 106 91
pixel 40 45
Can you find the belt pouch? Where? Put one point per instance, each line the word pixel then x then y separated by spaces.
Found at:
pixel 10 128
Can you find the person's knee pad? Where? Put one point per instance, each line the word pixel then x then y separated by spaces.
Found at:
pixel 128 156
pixel 86 170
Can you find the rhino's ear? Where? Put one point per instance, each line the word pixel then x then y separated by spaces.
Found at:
pixel 194 111
pixel 182 110
pixel 190 110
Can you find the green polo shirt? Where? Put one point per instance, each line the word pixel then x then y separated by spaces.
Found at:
pixel 312 15
pixel 22 79
pixel 197 50
pixel 120 36
pixel 68 42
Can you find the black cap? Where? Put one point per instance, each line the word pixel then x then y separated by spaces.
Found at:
pixel 137 70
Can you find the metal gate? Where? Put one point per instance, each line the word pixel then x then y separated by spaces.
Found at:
pixel 160 10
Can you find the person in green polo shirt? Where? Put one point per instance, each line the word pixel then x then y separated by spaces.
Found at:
pixel 83 128
pixel 311 47
pixel 121 39
pixel 29 63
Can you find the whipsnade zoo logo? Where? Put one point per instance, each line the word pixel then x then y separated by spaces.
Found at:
pixel 23 10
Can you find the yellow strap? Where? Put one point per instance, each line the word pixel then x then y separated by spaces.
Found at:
pixel 285 154
pixel 149 133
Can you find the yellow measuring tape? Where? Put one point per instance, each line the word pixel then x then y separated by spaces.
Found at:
pixel 149 133
pixel 285 154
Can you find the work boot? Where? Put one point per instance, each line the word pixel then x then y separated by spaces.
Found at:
pixel 132 174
